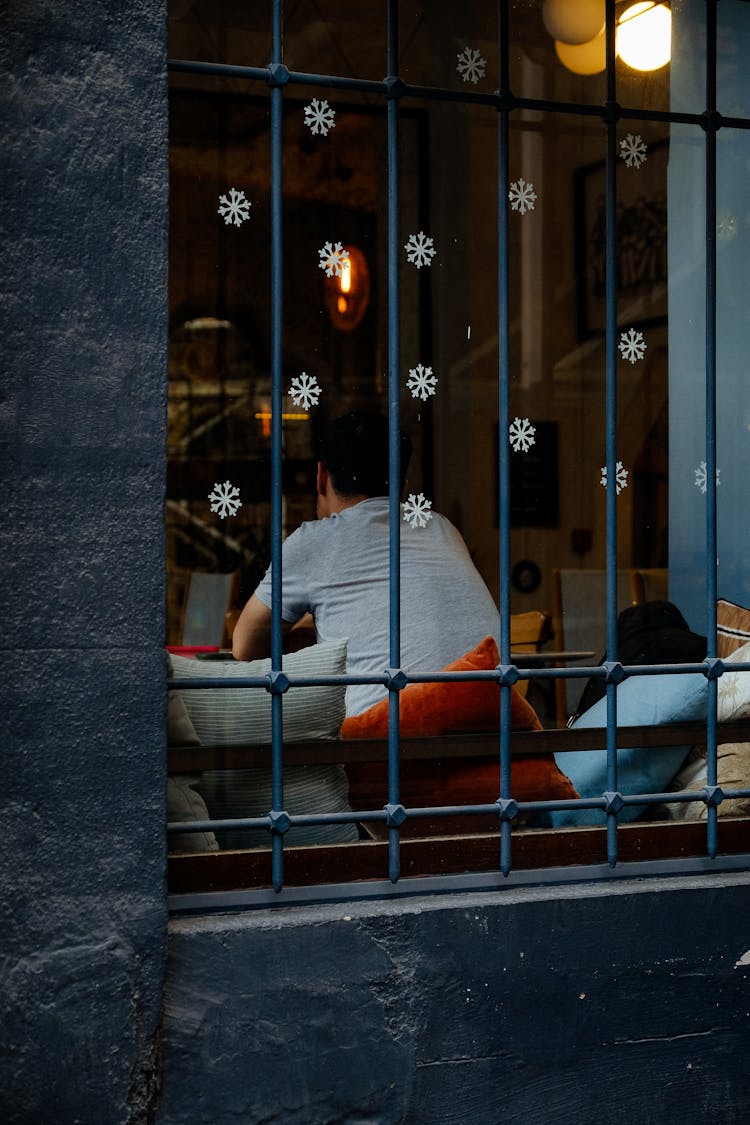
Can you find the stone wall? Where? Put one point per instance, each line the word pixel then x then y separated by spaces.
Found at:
pixel 617 1003
pixel 83 307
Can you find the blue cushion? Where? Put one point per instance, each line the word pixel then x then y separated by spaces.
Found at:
pixel 641 701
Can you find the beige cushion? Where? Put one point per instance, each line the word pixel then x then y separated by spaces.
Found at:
pixel 229 716
pixel 183 803
pixel 732 627
pixel 732 758
pixel 180 730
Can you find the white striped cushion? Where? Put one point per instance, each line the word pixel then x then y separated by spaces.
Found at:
pixel 307 789
pixel 226 717
pixel 229 716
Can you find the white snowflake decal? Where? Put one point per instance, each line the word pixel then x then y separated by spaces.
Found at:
pixel 521 434
pixel 225 499
pixel 633 150
pixel 420 249
pixel 701 477
pixel 417 510
pixel 470 65
pixel 332 259
pixel 621 477
pixel 305 391
pixel 632 345
pixel 726 226
pixel 319 116
pixel 522 196
pixel 235 209
pixel 421 382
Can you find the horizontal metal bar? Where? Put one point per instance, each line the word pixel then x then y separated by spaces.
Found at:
pixel 599 671
pixel 683 796
pixel 495 99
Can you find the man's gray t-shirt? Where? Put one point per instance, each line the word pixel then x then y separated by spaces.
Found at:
pixel 337 569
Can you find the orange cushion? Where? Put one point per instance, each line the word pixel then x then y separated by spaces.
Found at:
pixel 443 708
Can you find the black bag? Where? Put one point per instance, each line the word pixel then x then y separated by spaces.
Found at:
pixel 651 633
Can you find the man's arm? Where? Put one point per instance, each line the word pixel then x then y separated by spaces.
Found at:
pixel 251 639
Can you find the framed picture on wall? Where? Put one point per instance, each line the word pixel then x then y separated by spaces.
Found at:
pixel 534 494
pixel 640 241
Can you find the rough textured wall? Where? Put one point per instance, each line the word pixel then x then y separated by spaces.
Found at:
pixel 83 310
pixel 621 1003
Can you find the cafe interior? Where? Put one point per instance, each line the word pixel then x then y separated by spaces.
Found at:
pixel 335 328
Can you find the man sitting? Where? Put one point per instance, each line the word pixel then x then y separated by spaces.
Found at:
pixel 336 568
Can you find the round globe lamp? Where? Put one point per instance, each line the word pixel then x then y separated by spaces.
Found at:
pixel 644 36
pixel 585 58
pixel 573 21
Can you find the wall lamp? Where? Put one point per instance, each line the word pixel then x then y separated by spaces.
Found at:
pixel 643 36
pixel 348 295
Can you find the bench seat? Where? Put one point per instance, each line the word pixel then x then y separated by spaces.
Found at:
pixel 443 854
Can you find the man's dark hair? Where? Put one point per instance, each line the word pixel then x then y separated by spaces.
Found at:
pixel 354 450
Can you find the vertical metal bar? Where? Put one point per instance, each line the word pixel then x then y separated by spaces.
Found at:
pixel 277 765
pixel 394 463
pixel 503 317
pixel 611 420
pixel 711 507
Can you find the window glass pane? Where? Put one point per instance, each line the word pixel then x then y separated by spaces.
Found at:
pixel 221 31
pixel 732 345
pixel 551 58
pixel 536 68
pixel 436 49
pixel 219 329
pixel 732 49
pixel 451 357
pixel 329 37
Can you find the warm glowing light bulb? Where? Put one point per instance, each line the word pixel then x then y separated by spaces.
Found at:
pixel 644 36
pixel 346 275
pixel 584 58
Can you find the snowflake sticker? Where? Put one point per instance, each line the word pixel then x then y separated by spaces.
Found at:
pixel 225 499
pixel 421 382
pixel 420 249
pixel 522 196
pixel 726 226
pixel 417 510
pixel 332 259
pixel 521 434
pixel 305 391
pixel 319 116
pixel 632 345
pixel 633 150
pixel 234 209
pixel 701 477
pixel 470 65
pixel 621 477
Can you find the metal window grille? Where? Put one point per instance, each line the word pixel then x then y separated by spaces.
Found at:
pixel 395 94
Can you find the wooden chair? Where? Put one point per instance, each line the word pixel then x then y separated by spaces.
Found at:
pixel 528 632
pixel 650 585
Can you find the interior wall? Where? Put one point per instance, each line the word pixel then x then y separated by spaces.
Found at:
pixel 449 313
pixel 687 312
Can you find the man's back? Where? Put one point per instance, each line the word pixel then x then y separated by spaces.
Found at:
pixel 337 569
